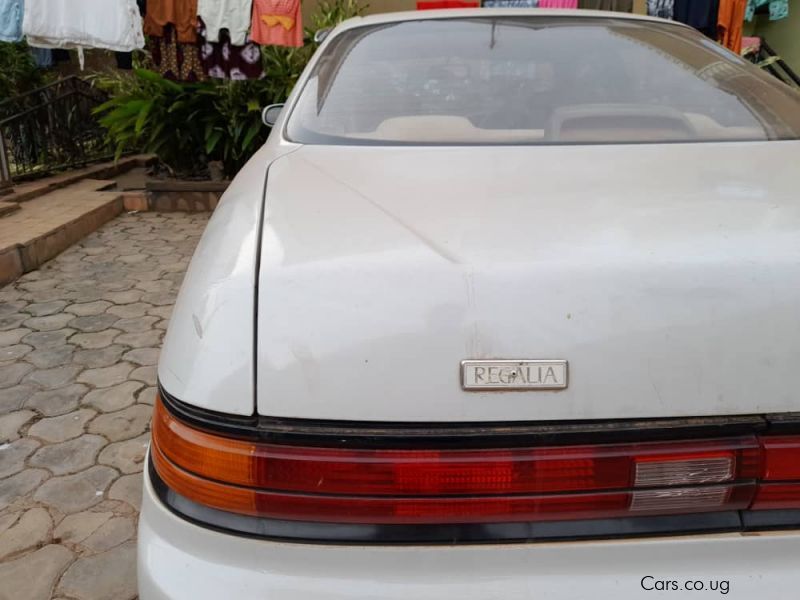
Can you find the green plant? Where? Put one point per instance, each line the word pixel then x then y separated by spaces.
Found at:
pixel 190 125
pixel 18 71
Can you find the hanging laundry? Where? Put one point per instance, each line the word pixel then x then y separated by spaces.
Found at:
pixel 174 60
pixel 124 60
pixel 233 15
pixel 43 57
pixel 493 4
pixel 225 60
pixel 181 14
pixel 558 3
pixel 277 23
pixel 700 14
pixel 11 12
pixel 108 24
pixel 660 8
pixel 778 9
pixel 730 23
pixel 615 5
pixel 436 4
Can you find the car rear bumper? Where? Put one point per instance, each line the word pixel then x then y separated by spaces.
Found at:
pixel 178 559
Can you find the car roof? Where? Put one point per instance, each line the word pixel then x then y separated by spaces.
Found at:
pixel 460 13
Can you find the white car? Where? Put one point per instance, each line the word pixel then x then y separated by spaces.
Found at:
pixel 507 307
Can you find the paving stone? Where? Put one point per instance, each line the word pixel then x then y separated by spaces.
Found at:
pixel 88 294
pixel 126 457
pixel 107 576
pixel 44 295
pixel 150 275
pixel 12 336
pixel 15 352
pixel 160 285
pixel 93 323
pixel 99 357
pixel 49 322
pixel 57 402
pixel 165 312
pixel 11 422
pixel 41 309
pixel 112 533
pixel 13 455
pixel 12 321
pixel 127 311
pixel 143 356
pixel 116 286
pixel 147 396
pixel 142 339
pixel 40 284
pixel 12 374
pixel 20 485
pixel 88 308
pixel 65 427
pixel 70 456
pixel 54 378
pixel 148 375
pixel 126 297
pixel 51 357
pixel 128 488
pixel 95 340
pixel 76 528
pixel 9 308
pixel 123 424
pixel 74 493
pixel 7 520
pixel 113 398
pixel 106 376
pixel 10 293
pixel 136 324
pixel 12 398
pixel 161 298
pixel 48 339
pixel 31 529
pixel 33 576
pixel 133 258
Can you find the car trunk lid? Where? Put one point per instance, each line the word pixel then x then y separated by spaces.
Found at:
pixel 666 275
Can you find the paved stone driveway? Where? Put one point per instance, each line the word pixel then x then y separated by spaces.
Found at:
pixel 79 341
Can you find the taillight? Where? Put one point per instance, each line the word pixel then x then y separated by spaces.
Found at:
pixel 780 489
pixel 442 486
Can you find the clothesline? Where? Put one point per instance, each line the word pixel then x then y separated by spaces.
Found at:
pixel 188 39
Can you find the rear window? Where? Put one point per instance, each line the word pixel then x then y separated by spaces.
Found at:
pixel 536 80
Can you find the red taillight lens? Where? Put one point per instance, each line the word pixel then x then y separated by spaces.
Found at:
pixel 781 457
pixel 781 474
pixel 383 486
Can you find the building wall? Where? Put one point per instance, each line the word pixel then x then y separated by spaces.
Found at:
pixel 783 35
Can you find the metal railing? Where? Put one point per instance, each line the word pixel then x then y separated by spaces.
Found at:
pixel 766 58
pixel 50 129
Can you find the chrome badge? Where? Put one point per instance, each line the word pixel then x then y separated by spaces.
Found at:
pixel 513 374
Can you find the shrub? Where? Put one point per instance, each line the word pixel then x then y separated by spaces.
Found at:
pixel 190 125
pixel 18 71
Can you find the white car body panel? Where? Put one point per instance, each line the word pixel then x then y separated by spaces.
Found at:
pixel 207 359
pixel 180 560
pixel 666 274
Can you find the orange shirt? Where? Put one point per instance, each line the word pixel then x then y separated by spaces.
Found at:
pixel 730 23
pixel 277 23
pixel 180 13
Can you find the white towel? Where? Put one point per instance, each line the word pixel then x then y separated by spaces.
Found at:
pixel 110 24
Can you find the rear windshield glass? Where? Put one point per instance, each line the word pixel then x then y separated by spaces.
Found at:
pixel 537 80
